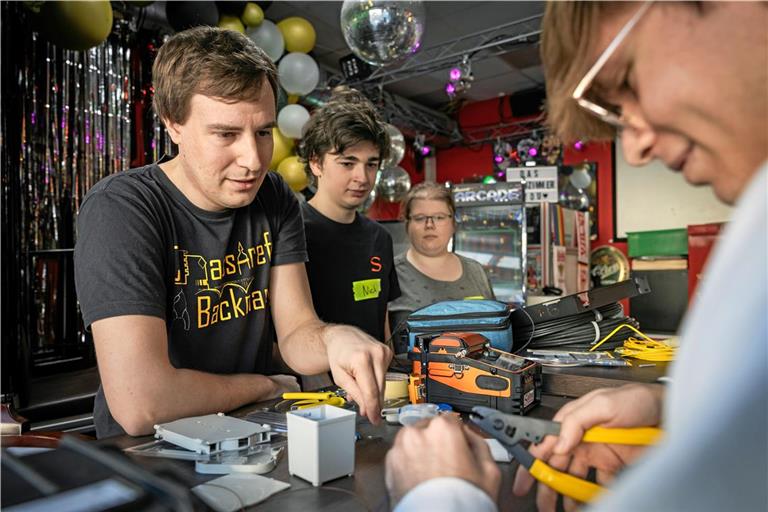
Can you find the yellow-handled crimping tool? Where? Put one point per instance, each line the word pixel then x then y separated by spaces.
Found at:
pixel 509 430
pixel 308 399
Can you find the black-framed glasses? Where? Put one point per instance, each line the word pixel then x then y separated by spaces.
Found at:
pixel 440 218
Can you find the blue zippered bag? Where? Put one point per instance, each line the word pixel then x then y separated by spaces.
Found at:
pixel 491 318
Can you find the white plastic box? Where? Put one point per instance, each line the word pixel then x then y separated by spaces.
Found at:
pixel 321 443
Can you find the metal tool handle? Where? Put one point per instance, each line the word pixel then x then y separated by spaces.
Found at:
pixel 641 436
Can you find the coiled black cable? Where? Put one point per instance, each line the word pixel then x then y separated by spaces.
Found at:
pixel 576 332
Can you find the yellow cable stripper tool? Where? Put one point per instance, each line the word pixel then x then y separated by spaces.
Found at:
pixel 509 430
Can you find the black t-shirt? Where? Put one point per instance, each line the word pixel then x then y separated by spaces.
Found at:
pixel 351 270
pixel 144 249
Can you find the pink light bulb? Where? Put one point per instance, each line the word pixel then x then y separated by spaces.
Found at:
pixel 454 74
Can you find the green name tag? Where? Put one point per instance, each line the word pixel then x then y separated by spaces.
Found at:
pixel 367 289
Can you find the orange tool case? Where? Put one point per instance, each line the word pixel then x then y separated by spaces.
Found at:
pixel 463 370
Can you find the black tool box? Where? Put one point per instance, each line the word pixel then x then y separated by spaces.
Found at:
pixel 463 370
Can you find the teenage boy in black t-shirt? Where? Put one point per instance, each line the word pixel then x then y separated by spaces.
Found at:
pixel 351 264
pixel 184 266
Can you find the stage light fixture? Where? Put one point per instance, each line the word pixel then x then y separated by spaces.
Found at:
pixel 421 147
pixel 459 78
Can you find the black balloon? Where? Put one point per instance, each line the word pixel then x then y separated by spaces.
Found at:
pixel 184 15
pixel 230 8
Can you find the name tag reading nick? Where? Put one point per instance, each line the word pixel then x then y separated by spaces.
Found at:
pixel 366 289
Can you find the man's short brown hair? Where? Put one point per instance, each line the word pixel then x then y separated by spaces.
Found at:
pixel 346 120
pixel 569 29
pixel 214 62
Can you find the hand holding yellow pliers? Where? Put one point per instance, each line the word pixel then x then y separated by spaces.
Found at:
pixel 510 429
pixel 309 399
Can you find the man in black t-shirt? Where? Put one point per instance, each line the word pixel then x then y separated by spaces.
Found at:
pixel 184 267
pixel 351 264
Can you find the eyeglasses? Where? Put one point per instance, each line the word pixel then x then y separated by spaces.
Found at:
pixel 612 118
pixel 423 219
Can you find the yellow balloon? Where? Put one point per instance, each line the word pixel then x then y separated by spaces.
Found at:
pixel 75 25
pixel 231 23
pixel 282 148
pixel 292 99
pixel 252 15
pixel 292 171
pixel 298 33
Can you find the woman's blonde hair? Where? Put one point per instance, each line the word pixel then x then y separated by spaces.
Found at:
pixel 428 190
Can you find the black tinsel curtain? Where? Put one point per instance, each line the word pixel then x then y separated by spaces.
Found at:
pixel 69 118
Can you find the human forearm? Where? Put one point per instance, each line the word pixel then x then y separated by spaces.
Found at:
pixel 143 388
pixel 179 393
pixel 304 348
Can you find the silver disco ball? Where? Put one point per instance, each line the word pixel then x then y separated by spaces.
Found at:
pixel 396 147
pixel 573 198
pixel 363 208
pixel 381 32
pixel 394 184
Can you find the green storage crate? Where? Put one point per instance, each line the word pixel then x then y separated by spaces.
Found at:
pixel 662 242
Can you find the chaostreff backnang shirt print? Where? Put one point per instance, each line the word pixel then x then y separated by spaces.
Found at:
pixel 144 249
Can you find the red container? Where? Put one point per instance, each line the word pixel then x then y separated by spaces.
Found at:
pixel 701 239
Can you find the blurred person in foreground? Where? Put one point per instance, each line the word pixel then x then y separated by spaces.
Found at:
pixel 675 82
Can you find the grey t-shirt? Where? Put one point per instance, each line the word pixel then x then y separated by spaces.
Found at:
pixel 419 290
pixel 144 249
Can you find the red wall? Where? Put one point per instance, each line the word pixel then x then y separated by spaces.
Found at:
pixel 459 163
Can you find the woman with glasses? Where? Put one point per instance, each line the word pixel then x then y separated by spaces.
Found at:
pixel 428 272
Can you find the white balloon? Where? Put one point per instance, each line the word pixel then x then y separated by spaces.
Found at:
pixel 269 38
pixel 298 73
pixel 580 178
pixel 291 120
